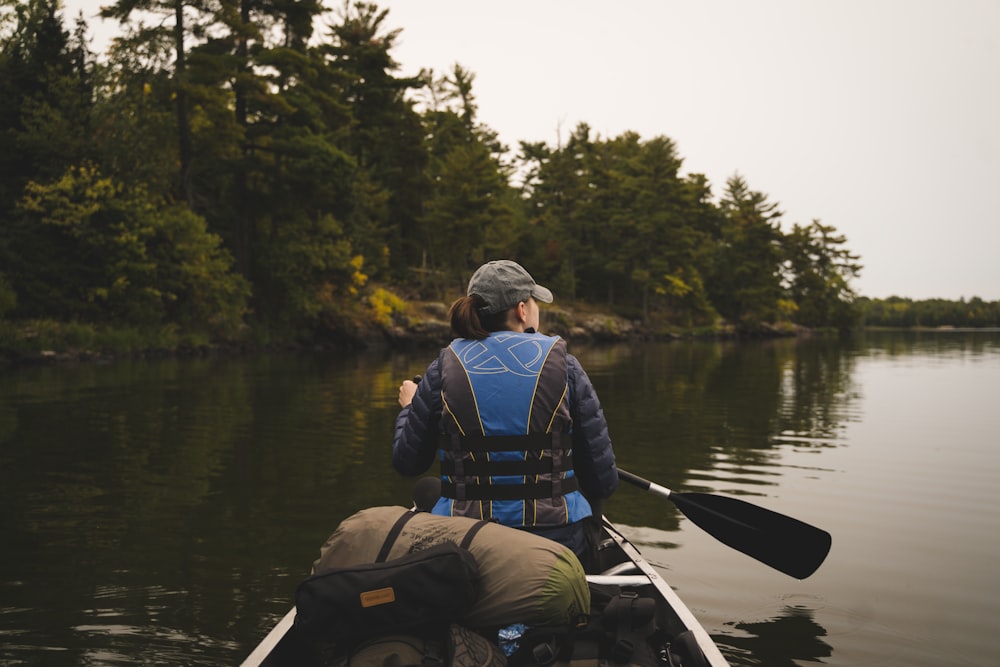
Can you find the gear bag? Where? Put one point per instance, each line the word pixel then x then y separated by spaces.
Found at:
pixel 416 594
pixel 620 631
pixel 526 578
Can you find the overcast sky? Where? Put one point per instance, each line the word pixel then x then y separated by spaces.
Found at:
pixel 879 117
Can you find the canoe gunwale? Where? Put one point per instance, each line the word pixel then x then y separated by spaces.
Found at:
pixel 684 617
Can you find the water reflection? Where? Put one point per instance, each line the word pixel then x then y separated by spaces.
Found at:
pixel 721 415
pixel 792 638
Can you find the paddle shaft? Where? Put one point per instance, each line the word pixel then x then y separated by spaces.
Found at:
pixel 644 484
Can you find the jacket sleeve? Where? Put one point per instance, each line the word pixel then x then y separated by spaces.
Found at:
pixel 593 456
pixel 415 441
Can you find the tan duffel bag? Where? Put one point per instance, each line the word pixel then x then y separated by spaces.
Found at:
pixel 525 578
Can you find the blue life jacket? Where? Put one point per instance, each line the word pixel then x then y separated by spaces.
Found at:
pixel 506 452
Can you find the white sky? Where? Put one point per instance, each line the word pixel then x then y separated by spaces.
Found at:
pixel 879 117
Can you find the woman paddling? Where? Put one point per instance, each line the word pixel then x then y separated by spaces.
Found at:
pixel 511 415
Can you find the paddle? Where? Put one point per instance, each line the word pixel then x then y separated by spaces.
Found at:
pixel 784 543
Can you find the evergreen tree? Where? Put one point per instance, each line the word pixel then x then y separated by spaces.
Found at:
pixel 745 286
pixel 45 122
pixel 618 224
pixel 45 98
pixel 565 209
pixel 818 270
pixel 657 242
pixel 469 214
pixel 175 29
pixel 385 138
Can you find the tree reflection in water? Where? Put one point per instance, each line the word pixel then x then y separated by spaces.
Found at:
pixel 788 640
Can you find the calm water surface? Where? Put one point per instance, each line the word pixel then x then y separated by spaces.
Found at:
pixel 162 512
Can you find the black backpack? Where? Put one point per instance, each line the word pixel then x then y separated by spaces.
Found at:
pixel 420 593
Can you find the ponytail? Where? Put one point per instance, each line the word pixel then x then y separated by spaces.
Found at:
pixel 466 321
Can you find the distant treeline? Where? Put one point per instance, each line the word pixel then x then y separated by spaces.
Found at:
pixel 900 312
pixel 261 163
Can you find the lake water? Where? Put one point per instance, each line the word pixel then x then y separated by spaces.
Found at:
pixel 162 512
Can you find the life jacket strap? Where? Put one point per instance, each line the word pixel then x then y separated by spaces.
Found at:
pixel 528 491
pixel 502 443
pixel 484 468
pixel 558 461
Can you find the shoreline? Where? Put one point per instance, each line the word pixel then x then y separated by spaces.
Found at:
pixel 423 325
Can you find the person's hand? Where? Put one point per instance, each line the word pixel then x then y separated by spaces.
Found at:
pixel 406 392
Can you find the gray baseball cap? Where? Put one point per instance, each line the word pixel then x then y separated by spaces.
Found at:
pixel 503 283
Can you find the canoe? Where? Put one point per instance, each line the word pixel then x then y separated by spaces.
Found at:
pixel 622 567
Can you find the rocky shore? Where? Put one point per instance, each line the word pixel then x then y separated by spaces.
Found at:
pixel 427 323
pixel 424 324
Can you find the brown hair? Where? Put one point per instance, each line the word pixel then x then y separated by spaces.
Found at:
pixel 466 321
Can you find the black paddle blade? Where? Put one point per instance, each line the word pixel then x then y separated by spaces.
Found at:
pixel 786 544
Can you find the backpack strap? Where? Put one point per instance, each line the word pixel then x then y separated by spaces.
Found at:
pixel 628 618
pixel 394 532
pixel 397 528
pixel 467 540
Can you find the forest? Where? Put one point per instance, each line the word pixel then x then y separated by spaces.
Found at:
pixel 261 169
